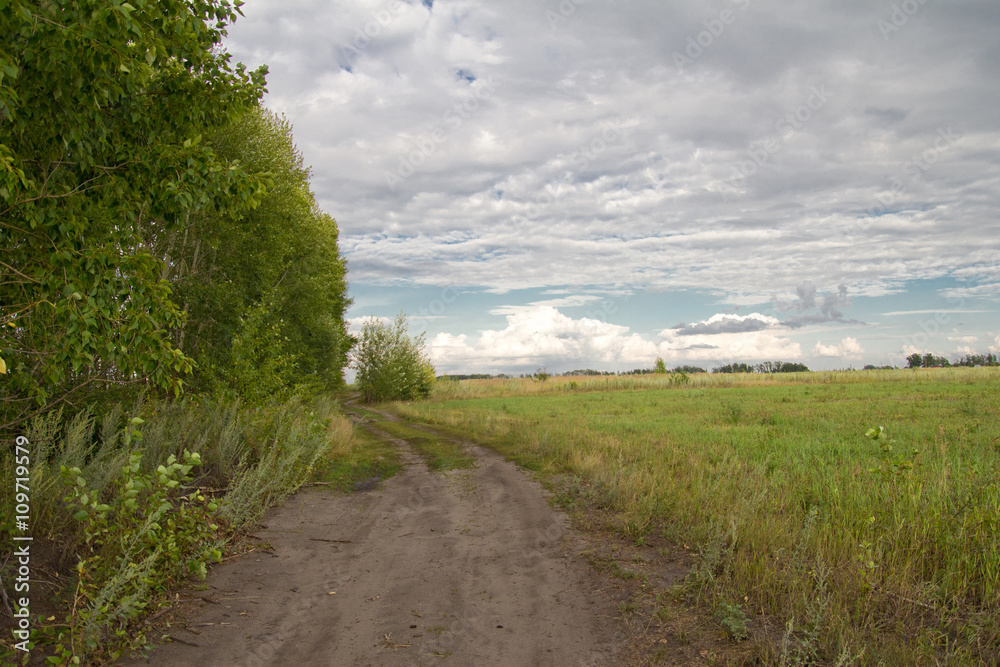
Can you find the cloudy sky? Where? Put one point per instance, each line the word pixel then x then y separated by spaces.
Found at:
pixel 592 184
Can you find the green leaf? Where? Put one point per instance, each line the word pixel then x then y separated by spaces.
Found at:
pixel 81 515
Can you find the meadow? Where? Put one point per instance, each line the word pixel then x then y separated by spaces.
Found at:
pixel 858 508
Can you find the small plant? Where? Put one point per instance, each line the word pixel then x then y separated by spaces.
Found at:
pixel 802 648
pixel 628 608
pixel 732 412
pixel 732 619
pixel 679 377
pixel 147 536
pixel 541 375
pixel 891 468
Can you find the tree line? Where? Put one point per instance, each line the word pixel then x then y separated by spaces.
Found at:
pixel 157 226
pixel 928 360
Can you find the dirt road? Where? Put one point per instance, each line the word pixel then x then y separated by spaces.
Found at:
pixel 468 567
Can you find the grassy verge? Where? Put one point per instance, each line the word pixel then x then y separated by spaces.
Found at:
pixel 438 450
pixel 357 457
pixel 124 508
pixel 871 549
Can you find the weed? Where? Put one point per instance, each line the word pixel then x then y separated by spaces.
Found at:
pixel 732 619
pixel 628 608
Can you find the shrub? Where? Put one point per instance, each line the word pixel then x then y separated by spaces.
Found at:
pixel 390 365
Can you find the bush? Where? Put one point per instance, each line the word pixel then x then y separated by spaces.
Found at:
pixel 125 507
pixel 390 365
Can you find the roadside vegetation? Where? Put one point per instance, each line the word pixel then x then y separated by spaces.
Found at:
pixel 860 509
pixel 171 318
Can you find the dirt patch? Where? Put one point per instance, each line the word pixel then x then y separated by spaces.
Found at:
pixel 468 567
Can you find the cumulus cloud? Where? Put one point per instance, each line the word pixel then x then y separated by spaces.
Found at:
pixel 723 323
pixel 826 307
pixel 484 145
pixel 848 348
pixel 543 336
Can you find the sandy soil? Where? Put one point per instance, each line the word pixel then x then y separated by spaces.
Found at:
pixel 469 567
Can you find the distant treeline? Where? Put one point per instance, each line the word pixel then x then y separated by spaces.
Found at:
pixel 913 361
pixel 930 361
pixel 763 367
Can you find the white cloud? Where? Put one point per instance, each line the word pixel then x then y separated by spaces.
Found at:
pixel 582 155
pixel 750 346
pixel 595 156
pixel 848 348
pixel 722 323
pixel 964 339
pixel 542 336
pixel 355 324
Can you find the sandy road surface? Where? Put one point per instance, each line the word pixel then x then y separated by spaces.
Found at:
pixel 469 567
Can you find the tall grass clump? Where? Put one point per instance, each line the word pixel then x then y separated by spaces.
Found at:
pixel 126 506
pixel 860 508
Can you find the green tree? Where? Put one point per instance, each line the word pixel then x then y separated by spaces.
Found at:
pixel 390 365
pixel 660 366
pixel 103 107
pixel 284 252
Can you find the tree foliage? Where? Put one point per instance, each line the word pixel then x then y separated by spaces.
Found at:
pixel 763 367
pixel 154 219
pixel 391 365
pixel 103 106
pixel 282 256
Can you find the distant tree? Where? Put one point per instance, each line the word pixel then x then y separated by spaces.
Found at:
pixel 789 367
pixel 689 369
pixel 390 365
pixel 977 360
pixel 734 368
pixel 914 361
pixel 541 375
pixel 660 366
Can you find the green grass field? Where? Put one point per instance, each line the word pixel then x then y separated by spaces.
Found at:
pixel 883 550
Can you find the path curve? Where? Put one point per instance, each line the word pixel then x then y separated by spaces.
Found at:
pixel 468 567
